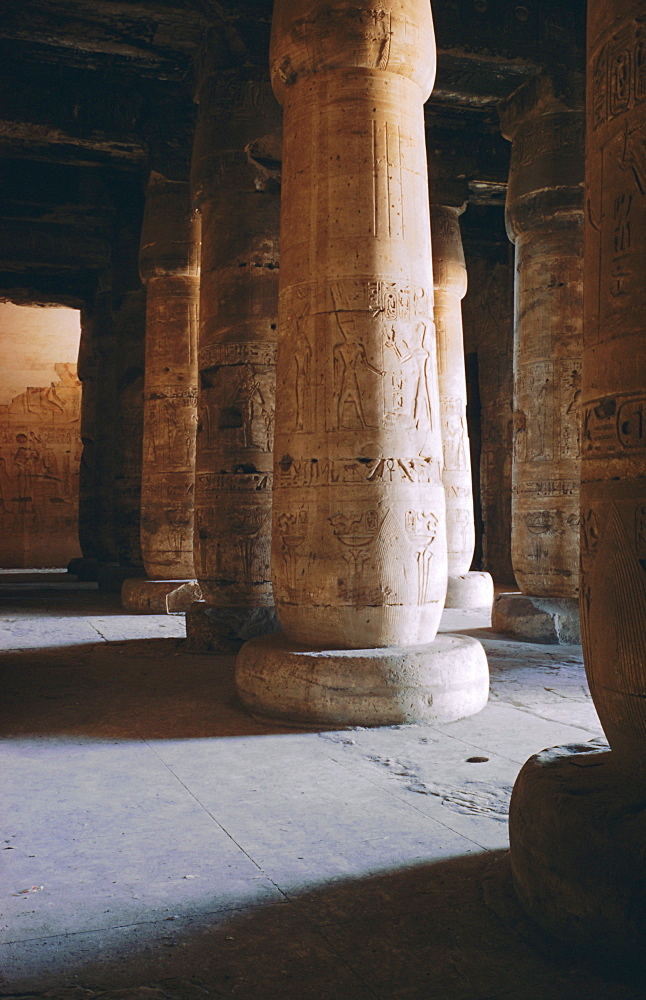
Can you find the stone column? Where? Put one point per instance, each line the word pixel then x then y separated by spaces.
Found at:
pixel 465 589
pixel 120 331
pixel 544 214
pixel 234 176
pixel 359 542
pixel 488 319
pixel 87 566
pixel 169 268
pixel 578 833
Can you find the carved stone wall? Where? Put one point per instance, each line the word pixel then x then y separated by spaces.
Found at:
pixel 40 444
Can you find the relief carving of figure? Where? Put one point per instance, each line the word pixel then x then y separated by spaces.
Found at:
pixel 303 365
pixel 454 436
pixel 415 351
pixel 350 366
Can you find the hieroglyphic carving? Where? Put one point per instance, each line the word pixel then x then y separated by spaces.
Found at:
pixel 614 424
pixel 292 529
pixel 40 452
pixel 547 162
pixel 237 340
pixel 421 528
pixel 619 73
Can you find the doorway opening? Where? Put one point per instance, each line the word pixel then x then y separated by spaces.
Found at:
pixel 40 440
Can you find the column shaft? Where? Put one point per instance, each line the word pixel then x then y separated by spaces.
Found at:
pixel 359 557
pixel 234 177
pixel 613 480
pixel 169 266
pixel 544 214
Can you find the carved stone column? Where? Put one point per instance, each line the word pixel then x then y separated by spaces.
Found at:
pixel 169 267
pixel 234 177
pixel 578 833
pixel 120 330
pixel 545 220
pixel 359 543
pixel 465 589
pixel 87 566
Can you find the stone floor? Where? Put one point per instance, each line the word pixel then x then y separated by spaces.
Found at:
pixel 159 844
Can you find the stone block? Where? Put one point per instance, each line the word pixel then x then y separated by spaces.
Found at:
pixel 550 620
pixel 224 630
pixel 469 591
pixel 164 597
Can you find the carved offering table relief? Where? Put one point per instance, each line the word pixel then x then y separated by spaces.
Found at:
pixel 544 214
pixel 465 589
pixel 359 534
pixel 589 891
pixel 169 267
pixel 236 187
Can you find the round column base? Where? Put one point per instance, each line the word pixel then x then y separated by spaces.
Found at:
pixel 224 630
pixel 159 597
pixel 550 620
pixel 440 681
pixel 469 591
pixel 111 576
pixel 577 828
pixel 84 569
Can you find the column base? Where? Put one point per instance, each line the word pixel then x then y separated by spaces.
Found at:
pixel 550 620
pixel 111 576
pixel 577 829
pixel 84 569
pixel 469 591
pixel 224 630
pixel 161 597
pixel 440 681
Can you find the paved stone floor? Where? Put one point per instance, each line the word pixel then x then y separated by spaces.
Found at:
pixel 157 843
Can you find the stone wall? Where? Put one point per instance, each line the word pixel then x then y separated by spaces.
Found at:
pixel 40 445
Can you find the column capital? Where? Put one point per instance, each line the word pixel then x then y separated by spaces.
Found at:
pixel 541 95
pixel 545 122
pixel 312 37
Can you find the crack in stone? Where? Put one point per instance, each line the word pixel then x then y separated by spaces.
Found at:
pixel 470 798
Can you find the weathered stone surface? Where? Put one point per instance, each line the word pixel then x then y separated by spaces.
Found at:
pixel 235 186
pixel 578 828
pixel 470 590
pixel 441 681
pixel 537 619
pixel 224 630
pixel 166 597
pixel 169 267
pixel 544 213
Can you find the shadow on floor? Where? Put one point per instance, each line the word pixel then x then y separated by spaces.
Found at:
pixel 423 933
pixel 133 689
